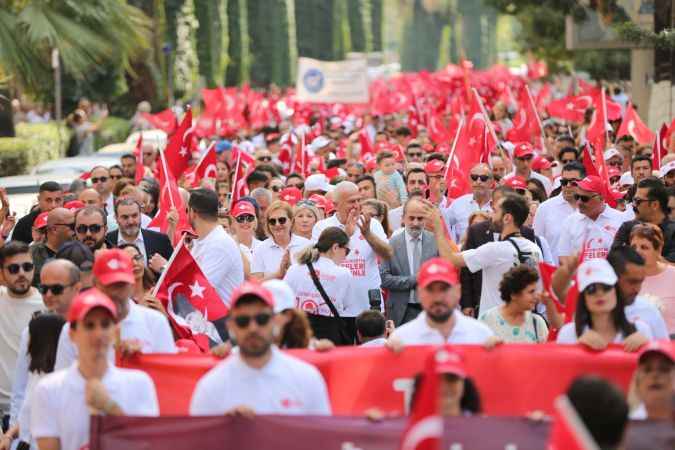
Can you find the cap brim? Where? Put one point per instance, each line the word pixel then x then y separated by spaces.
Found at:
pixel 116 278
pixel 433 278
pixel 451 369
pixel 85 311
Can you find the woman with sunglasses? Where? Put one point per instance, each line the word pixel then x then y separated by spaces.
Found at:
pixel 647 240
pixel 144 280
pixel 273 256
pixel 600 319
pixel 306 215
pixel 243 228
pixel 324 259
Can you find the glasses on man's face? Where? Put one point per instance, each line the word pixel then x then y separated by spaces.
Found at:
pixel 567 161
pixel 243 320
pixel 15 268
pixel 245 218
pixel 281 221
pixel 482 178
pixel 57 289
pixel 526 158
pixel 264 159
pixel 568 181
pixel 584 198
pixel 415 154
pixel 637 201
pixel 93 229
pixel 615 163
pixel 99 180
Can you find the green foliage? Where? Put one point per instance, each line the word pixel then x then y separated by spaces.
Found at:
pixel 630 32
pixel 239 64
pixel 211 48
pixel 421 39
pixel 113 130
pixel 376 18
pixel 33 144
pixel 360 25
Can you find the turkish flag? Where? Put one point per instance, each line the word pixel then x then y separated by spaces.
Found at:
pixel 588 161
pixel 244 165
pixel 169 198
pixel 526 121
pixel 597 130
pixel 192 302
pixel 633 126
pixel 206 167
pixel 165 120
pixel 178 151
pixel 543 97
pixel 570 108
pixel 138 153
pixel 660 146
pixel 586 88
pixel 546 271
pixel 366 143
pixel 438 132
pixel 425 425
pixel 568 431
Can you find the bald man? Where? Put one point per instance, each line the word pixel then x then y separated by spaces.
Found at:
pixel 60 228
pixel 90 197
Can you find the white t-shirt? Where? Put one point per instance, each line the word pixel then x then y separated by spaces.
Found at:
pixel 643 310
pixel 395 218
pixel 495 259
pixel 59 409
pixel 220 259
pixel 267 255
pixel 467 330
pixel 598 234
pixel 285 385
pixel 20 378
pixel 23 418
pixel 458 213
pixel 568 333
pixel 550 214
pixel 143 324
pixel 336 281
pixel 15 313
pixel 361 261
pixel 248 251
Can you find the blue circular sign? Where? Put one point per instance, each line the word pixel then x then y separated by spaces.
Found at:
pixel 313 80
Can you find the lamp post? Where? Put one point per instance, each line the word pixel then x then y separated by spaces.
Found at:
pixel 56 65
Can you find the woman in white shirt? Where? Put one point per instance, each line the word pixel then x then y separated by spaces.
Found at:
pixel 324 259
pixel 600 319
pixel 514 321
pixel 653 387
pixel 243 227
pixel 305 214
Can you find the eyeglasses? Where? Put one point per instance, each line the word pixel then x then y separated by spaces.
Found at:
pixel 243 321
pixel 482 178
pixel 305 203
pixel 26 267
pixel 584 198
pixel 570 181
pixel 415 155
pixel 245 218
pixel 526 158
pixel 137 257
pixel 637 201
pixel 275 188
pixel 93 229
pixel 57 289
pixel 595 287
pixel 281 220
pixel 99 179
pixel 264 159
pixel 347 249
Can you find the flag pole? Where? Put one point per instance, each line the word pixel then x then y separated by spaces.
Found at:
pixel 534 108
pixel 167 175
pixel 235 180
pixel 451 156
pixel 488 124
pixel 155 290
pixel 604 111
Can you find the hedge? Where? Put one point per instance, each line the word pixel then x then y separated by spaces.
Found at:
pixel 113 130
pixel 33 144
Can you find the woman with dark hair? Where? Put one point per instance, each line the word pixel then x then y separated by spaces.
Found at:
pixel 600 319
pixel 537 189
pixel 144 279
pixel 43 332
pixel 515 320
pixel 323 288
pixel 378 210
pixel 150 187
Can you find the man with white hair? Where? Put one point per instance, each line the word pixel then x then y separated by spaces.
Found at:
pixel 457 215
pixel 367 241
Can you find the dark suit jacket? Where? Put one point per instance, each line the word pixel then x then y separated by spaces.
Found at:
pixel 396 276
pixel 22 229
pixel 477 235
pixel 622 237
pixel 154 243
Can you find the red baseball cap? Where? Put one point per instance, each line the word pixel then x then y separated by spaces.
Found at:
pixel 243 207
pixel 434 166
pixel 540 163
pixel 113 266
pixel 74 205
pixel 291 195
pixel 437 269
pixel 522 149
pixel 41 220
pixel 665 348
pixel 90 299
pixel 449 362
pixel 323 203
pixel 252 288
pixel 516 182
pixel 592 183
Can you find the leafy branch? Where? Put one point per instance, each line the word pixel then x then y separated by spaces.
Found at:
pixel 630 32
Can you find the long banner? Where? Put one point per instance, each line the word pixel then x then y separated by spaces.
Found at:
pixel 512 379
pixel 335 433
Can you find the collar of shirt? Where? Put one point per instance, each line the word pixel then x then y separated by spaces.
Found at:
pixel 272 367
pixel 137 241
pixel 425 330
pixel 77 383
pixel 291 244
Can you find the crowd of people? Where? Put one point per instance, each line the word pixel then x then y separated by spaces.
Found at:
pixel 351 252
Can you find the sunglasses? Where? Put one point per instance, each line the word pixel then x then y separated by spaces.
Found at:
pixel 567 161
pixel 245 218
pixel 482 178
pixel 584 198
pixel 281 220
pixel 347 249
pixel 595 287
pixel 526 158
pixel 415 155
pixel 57 289
pixel 26 267
pixel 243 321
pixel 299 186
pixel 616 163
pixel 99 179
pixel 264 159
pixel 83 229
pixel 276 188
pixel 570 181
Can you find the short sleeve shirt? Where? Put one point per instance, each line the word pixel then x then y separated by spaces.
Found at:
pixel 524 333
pixel 598 234
pixel 467 330
pixel 267 255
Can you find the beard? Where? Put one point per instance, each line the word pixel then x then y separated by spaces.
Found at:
pixel 131 230
pixel 496 226
pixel 254 345
pixel 414 232
pixel 438 315
pixel 20 287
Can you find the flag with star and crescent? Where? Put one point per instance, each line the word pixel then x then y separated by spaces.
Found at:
pixel 196 310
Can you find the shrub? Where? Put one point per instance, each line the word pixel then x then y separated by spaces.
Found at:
pixel 112 131
pixel 33 144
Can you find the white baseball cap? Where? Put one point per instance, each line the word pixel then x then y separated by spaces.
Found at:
pixel 284 298
pixel 611 152
pixel 317 182
pixel 595 271
pixel 666 168
pixel 626 179
pixel 319 143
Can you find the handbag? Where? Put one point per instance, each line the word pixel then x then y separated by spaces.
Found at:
pixel 334 328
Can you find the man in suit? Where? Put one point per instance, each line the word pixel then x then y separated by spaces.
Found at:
pixel 412 248
pixel 128 216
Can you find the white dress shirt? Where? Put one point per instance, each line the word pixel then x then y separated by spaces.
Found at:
pixel 219 258
pixel 459 211
pixel 467 330
pixel 548 218
pixel 598 234
pixel 268 254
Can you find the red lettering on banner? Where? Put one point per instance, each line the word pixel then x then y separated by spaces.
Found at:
pixel 376 377
pixel 356 266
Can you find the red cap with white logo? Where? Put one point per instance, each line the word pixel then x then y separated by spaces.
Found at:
pixel 252 288
pixel 434 166
pixel 243 207
pixel 113 266
pixel 592 183
pixel 522 150
pixel 90 299
pixel 437 269
pixel 290 195
pixel 40 221
pixel 516 182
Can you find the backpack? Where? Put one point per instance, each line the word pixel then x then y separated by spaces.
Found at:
pixel 526 258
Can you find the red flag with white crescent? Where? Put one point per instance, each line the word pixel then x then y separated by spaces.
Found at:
pixel 178 151
pixel 138 153
pixel 164 120
pixel 206 167
pixel 632 125
pixel 169 198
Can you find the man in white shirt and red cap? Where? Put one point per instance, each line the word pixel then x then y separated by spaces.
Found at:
pixel 594 224
pixel 258 378
pixel 523 155
pixel 62 402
